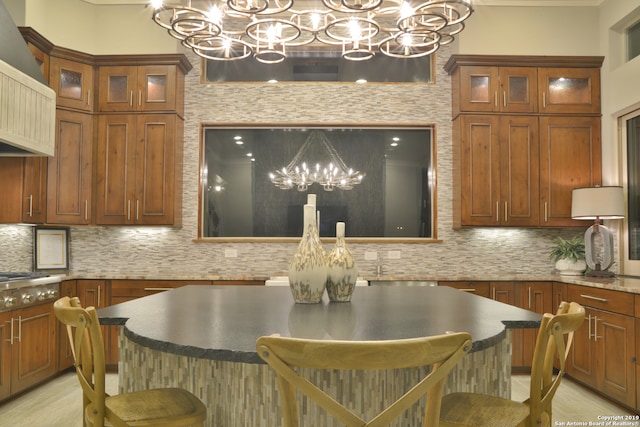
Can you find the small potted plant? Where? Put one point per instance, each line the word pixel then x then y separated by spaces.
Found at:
pixel 568 256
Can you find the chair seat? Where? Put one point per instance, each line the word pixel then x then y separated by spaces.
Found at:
pixel 478 410
pixel 157 407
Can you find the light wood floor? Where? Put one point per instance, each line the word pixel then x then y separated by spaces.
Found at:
pixel 58 403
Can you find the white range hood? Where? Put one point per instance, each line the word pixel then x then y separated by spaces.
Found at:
pixel 27 114
pixel 27 104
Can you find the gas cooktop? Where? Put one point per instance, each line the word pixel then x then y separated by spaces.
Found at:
pixel 21 275
pixel 21 289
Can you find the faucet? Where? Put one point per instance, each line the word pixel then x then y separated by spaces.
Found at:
pixel 379 268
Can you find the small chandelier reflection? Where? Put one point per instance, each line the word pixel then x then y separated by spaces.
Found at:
pixel 316 162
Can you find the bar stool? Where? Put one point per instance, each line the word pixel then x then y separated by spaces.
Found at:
pixel 158 407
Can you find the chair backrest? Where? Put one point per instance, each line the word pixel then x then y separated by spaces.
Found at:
pixel 442 352
pixel 87 346
pixel 553 343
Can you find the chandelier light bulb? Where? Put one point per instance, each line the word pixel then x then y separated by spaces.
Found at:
pixel 215 15
pixel 354 29
pixel 406 10
pixel 315 20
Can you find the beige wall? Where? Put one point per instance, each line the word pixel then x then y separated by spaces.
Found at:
pixel 99 30
pixel 531 31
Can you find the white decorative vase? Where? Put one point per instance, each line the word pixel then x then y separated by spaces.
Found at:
pixel 341 269
pixel 567 267
pixel 308 267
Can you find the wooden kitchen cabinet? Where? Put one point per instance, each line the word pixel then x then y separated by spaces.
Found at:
pixel 569 90
pixel 34 192
pixel 476 288
pixel 570 157
pixel 11 177
pixel 92 293
pixel 506 292
pixel 603 354
pixel 533 296
pixel 497 183
pixel 23 187
pixel 35 352
pixel 526 132
pixel 70 170
pixel 72 80
pixel 536 297
pixel 139 88
pixel 496 89
pixel 127 290
pixel 28 351
pixel 559 294
pixel 5 355
pixel 138 169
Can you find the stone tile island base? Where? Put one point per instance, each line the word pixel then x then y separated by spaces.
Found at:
pixel 243 394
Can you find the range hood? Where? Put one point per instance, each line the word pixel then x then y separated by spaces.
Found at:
pixel 27 104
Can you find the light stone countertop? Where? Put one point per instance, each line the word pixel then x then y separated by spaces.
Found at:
pixel 618 283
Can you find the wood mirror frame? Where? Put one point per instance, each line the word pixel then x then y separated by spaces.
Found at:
pixel 236 206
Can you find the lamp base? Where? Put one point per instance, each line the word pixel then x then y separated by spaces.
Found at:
pixel 597 272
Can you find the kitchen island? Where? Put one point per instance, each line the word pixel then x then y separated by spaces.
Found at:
pixel 202 338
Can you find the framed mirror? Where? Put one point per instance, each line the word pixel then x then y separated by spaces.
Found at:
pixel 247 193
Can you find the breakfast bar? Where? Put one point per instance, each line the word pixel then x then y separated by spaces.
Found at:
pixel 202 338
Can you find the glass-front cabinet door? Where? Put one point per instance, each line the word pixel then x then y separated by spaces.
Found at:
pixel 73 83
pixel 131 88
pixel 498 89
pixel 569 90
pixel 630 136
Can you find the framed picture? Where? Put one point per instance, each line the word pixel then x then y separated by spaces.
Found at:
pixel 51 248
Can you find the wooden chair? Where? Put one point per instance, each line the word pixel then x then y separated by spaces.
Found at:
pixel 158 407
pixel 555 336
pixel 284 354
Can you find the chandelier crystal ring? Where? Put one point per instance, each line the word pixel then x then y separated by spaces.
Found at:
pixel 363 28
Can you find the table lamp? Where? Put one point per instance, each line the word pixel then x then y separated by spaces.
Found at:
pixel 598 203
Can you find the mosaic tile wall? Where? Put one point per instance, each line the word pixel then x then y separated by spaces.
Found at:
pixel 171 251
pixel 239 394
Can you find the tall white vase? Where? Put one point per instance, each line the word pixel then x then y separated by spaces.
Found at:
pixel 342 271
pixel 308 267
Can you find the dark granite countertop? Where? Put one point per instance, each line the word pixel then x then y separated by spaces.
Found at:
pixel 223 322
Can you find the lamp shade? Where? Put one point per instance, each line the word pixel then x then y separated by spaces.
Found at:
pixel 597 202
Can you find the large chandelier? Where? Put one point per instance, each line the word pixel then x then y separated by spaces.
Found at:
pixel 316 161
pixel 266 29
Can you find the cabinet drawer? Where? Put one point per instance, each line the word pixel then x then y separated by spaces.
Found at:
pixel 604 299
pixel 141 288
pixel 476 288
